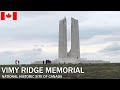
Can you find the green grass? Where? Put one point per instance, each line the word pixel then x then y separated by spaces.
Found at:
pixel 92 71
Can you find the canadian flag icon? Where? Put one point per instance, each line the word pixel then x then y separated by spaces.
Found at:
pixel 8 15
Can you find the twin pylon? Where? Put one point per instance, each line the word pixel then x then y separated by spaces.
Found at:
pixel 75 47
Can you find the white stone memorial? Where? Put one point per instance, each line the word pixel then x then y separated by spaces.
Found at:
pixel 73 56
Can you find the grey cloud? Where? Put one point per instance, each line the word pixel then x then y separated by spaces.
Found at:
pixel 38 49
pixel 101 56
pixel 8 57
pixel 98 39
pixel 34 32
pixel 33 13
pixel 7 53
pixel 112 49
pixel 89 32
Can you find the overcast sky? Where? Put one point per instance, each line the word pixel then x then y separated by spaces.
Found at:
pixel 34 36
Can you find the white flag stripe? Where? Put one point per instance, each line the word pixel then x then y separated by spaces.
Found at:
pixel 11 13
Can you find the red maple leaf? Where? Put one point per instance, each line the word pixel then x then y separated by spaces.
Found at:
pixel 8 15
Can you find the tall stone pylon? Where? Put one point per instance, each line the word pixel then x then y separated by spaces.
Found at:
pixel 73 56
pixel 62 38
pixel 75 47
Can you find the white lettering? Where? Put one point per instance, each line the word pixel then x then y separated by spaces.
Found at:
pixel 64 70
pixel 48 70
pixel 10 69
